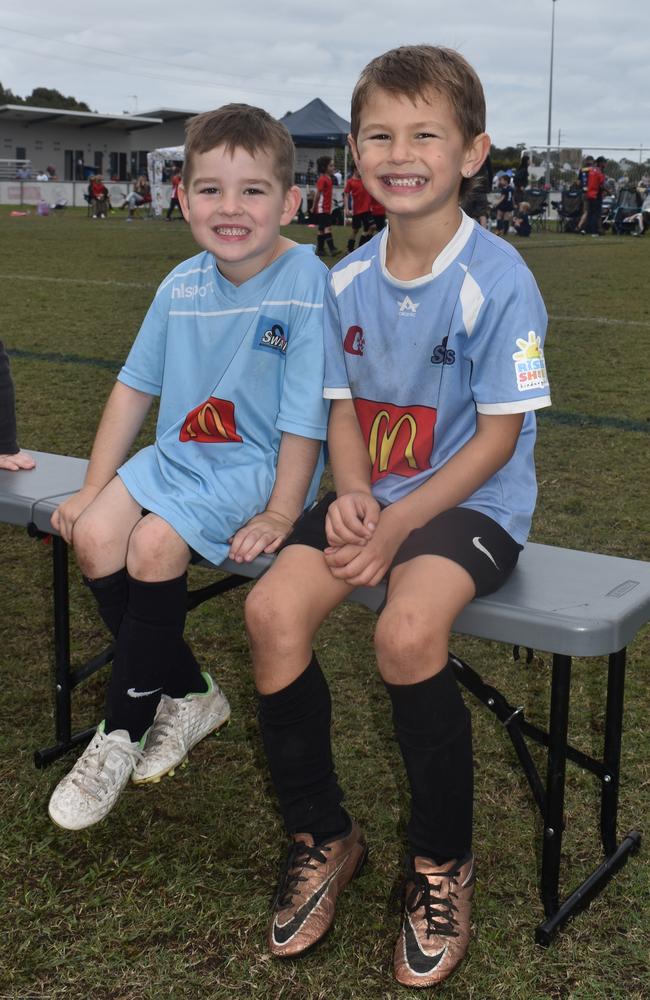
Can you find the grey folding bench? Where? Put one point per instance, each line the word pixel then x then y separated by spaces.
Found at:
pixel 565 602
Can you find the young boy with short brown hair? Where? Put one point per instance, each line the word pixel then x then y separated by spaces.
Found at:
pixel 434 368
pixel 232 345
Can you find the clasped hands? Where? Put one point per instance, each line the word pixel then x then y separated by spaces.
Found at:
pixel 363 539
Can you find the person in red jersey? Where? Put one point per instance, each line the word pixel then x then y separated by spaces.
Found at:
pixel 594 196
pixel 378 213
pixel 359 201
pixel 175 181
pixel 321 207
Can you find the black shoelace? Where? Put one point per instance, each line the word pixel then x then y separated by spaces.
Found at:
pixel 299 857
pixel 439 911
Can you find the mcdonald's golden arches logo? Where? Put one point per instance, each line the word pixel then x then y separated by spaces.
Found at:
pixel 212 422
pixel 399 438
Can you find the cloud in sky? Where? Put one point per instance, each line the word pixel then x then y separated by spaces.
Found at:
pixel 196 56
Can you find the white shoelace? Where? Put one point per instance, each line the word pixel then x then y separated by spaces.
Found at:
pixel 93 775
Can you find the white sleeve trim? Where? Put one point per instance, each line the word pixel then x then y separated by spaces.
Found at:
pixel 521 406
pixel 337 393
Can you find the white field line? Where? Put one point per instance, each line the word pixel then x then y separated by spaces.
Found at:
pixel 79 281
pixel 601 320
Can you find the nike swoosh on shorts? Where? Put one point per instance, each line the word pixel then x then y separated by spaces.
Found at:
pixel 476 542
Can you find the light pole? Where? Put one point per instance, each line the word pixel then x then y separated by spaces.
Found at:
pixel 550 104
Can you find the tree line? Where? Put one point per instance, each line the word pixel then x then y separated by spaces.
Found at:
pixel 43 97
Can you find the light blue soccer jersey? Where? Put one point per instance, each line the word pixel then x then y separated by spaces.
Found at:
pixel 234 367
pixel 420 358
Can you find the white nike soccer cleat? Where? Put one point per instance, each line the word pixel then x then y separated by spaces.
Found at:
pixel 179 724
pixel 88 793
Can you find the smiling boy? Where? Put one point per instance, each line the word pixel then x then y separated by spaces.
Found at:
pixel 232 345
pixel 434 366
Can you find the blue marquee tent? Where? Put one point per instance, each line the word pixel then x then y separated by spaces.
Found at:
pixel 316 125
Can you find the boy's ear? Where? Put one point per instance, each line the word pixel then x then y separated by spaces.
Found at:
pixel 292 200
pixel 355 150
pixel 184 201
pixel 476 153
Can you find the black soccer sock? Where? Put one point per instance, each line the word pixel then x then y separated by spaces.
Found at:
pixel 151 655
pixel 351 245
pixel 111 593
pixel 320 243
pixel 295 724
pixel 433 729
pixel 330 243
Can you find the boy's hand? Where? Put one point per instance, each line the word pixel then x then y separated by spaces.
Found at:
pixel 367 564
pixel 352 519
pixel 64 517
pixel 14 463
pixel 263 533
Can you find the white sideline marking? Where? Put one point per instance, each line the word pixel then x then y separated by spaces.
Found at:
pixel 80 281
pixel 603 320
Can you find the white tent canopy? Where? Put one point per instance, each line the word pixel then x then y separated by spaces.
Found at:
pixel 156 160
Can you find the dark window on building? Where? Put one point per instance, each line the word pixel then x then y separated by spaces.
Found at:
pixel 138 162
pixel 117 166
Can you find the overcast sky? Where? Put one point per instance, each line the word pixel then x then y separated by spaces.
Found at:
pixel 196 54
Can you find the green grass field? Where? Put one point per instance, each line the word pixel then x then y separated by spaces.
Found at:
pixel 169 897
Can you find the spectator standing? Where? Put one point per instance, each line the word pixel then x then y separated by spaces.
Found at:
pixel 520 180
pixel 595 187
pixel 11 457
pixel 321 208
pixel 504 205
pixel 378 213
pixel 359 202
pixel 175 181
pixel 583 179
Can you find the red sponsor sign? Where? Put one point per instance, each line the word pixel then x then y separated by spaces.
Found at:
pixel 212 422
pixel 399 438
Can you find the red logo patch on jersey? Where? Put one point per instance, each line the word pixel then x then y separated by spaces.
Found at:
pixel 399 438
pixel 354 342
pixel 212 422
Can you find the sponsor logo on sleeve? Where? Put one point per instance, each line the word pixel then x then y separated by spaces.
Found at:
pixel 530 367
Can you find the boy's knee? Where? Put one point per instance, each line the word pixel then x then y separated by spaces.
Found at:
pixel 96 543
pixel 156 551
pixel 266 614
pixel 406 646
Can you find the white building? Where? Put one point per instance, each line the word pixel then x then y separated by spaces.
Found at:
pixel 77 143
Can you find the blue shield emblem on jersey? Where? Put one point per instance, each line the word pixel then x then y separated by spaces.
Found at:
pixel 271 335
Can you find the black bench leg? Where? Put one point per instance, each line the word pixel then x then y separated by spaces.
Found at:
pixel 554 812
pixel 612 750
pixel 558 913
pixel 65 741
